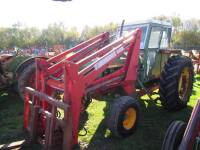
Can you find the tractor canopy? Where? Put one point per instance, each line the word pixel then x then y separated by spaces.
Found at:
pixel 150 28
pixel 155 39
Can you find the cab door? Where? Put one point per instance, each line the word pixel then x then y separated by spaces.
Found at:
pixel 158 41
pixel 152 53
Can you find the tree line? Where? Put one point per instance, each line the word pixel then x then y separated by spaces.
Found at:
pixel 186 34
pixel 54 34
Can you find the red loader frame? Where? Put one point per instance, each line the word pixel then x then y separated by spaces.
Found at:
pixel 77 73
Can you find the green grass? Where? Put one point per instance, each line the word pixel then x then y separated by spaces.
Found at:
pixel 149 135
pixel 11 117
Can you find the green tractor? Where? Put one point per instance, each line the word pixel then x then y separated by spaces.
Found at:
pixel 166 69
pixel 17 72
pixel 158 64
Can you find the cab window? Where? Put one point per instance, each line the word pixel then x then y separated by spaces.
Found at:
pixel 164 41
pixel 154 37
pixel 144 29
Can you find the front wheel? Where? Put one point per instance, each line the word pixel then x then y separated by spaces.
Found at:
pixel 26 79
pixel 123 117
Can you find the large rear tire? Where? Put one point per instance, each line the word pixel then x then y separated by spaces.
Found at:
pixel 123 117
pixel 174 135
pixel 176 82
pixel 26 79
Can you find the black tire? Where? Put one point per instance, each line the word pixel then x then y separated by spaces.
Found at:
pixel 118 113
pixel 169 82
pixel 24 79
pixel 174 135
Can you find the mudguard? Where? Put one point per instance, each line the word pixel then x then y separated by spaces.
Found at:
pixel 23 65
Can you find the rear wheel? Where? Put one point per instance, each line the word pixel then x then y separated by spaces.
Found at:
pixel 26 78
pixel 174 135
pixel 124 116
pixel 176 82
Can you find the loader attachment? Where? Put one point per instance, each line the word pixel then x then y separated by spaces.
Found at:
pixel 77 73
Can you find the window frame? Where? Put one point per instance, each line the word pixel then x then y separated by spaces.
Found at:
pixel 159 37
pixel 138 26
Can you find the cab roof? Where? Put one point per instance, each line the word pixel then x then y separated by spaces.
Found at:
pixel 150 21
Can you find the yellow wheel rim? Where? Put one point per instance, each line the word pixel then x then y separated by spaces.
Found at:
pixel 130 118
pixel 184 82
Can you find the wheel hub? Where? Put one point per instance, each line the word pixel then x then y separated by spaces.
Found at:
pixel 129 118
pixel 184 83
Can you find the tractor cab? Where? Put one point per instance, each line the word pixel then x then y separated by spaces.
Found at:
pixel 156 37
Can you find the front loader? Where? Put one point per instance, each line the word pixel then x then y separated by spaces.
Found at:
pixel 78 77
pixel 135 62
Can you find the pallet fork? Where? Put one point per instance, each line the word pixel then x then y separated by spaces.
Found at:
pixel 77 73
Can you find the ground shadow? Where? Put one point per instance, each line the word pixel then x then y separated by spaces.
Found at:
pixel 154 121
pixel 197 77
pixel 11 116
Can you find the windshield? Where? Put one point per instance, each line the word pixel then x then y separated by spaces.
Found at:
pixel 128 28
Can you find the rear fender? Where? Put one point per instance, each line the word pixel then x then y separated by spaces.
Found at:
pixel 25 63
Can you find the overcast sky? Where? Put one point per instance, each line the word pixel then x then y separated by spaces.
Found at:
pixel 78 13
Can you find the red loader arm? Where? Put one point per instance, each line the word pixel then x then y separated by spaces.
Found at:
pixel 77 76
pixel 192 130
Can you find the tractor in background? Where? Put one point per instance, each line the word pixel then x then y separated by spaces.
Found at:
pixel 137 60
pixel 17 72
